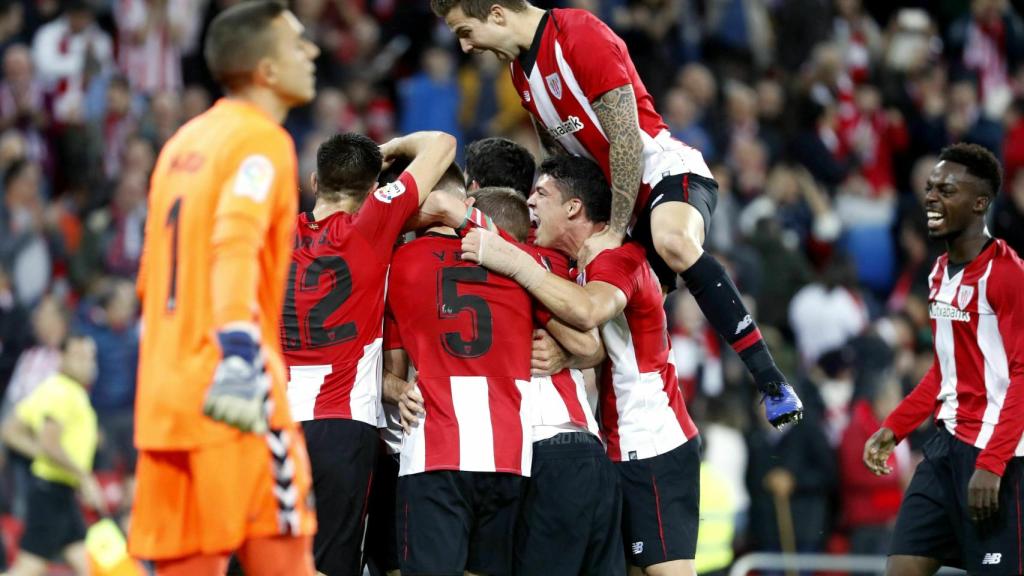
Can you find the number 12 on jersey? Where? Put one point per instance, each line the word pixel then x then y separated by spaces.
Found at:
pixel 312 331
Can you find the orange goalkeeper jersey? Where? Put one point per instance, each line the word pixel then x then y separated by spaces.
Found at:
pixel 219 233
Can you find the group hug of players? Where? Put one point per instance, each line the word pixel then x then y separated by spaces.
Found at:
pixel 501 467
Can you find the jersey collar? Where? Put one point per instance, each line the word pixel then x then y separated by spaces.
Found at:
pixel 529 58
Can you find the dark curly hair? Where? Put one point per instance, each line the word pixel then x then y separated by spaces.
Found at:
pixel 979 161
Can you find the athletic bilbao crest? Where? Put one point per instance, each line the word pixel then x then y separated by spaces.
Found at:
pixel 554 85
pixel 963 297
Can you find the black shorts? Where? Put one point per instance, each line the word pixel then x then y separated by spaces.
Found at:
pixel 660 505
pixel 450 522
pixel 342 454
pixel 697 191
pixel 934 521
pixel 571 518
pixel 381 548
pixel 53 519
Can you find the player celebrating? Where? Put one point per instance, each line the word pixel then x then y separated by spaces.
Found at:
pixel 332 321
pixel 649 433
pixel 576 78
pixel 218 241
pixel 462 465
pixel 962 507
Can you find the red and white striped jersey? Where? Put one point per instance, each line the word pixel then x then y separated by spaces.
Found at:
pixel 561 404
pixel 574 59
pixel 150 55
pixel 332 325
pixel 641 408
pixel 975 387
pixel 467 331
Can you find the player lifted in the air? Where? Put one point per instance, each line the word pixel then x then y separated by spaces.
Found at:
pixel 576 78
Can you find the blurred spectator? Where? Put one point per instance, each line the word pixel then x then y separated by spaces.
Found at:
pixel 832 376
pixel 430 99
pixel 803 25
pixel 742 121
pixel 989 42
pixel 490 105
pixel 1013 140
pixel 12 23
pixel 194 102
pixel 69 53
pixel 870 503
pixel 24 244
pixel 118 123
pixel 858 39
pixel 739 33
pixel 1008 214
pixel 112 242
pixel 151 35
pixel 376 110
pixel 818 146
pixel 13 336
pixel 875 135
pixel 49 327
pixel 825 314
pixel 24 104
pixel 966 120
pixel 683 120
pixel 791 476
pixel 164 118
pixel 110 320
pixel 697 353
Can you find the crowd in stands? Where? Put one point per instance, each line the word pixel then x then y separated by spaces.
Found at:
pixel 820 118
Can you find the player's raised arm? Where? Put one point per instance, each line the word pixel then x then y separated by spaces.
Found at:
pixel 616 110
pixel 431 154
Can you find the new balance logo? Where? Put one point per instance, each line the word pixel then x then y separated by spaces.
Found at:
pixel 990 558
pixel 638 548
pixel 744 324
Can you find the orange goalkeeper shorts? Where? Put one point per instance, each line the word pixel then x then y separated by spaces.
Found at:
pixel 212 499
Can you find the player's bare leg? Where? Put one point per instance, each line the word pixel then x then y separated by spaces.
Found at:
pixel 673 568
pixel 77 558
pixel 278 555
pixel 677 232
pixel 197 565
pixel 898 565
pixel 28 564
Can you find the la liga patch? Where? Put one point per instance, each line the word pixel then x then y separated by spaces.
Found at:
pixel 390 192
pixel 254 177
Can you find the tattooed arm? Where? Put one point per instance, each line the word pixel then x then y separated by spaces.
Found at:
pixel 548 145
pixel 616 110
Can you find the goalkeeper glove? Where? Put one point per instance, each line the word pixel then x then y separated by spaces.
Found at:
pixel 241 387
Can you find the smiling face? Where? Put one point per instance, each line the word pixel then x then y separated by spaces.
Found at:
pixel 490 35
pixel 550 211
pixel 953 200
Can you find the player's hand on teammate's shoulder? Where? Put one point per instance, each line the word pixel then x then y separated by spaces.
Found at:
pixel 603 240
pixel 493 252
pixel 877 450
pixel 238 395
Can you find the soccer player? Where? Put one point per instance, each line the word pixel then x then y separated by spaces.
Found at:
pixel 219 236
pixel 963 505
pixel 576 78
pixel 55 426
pixel 650 436
pixel 467 332
pixel 499 162
pixel 332 321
